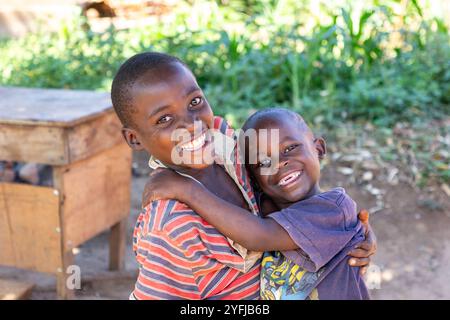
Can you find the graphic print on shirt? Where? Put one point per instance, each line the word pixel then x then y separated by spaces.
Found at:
pixel 282 279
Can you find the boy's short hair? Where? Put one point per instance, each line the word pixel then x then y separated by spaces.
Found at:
pixel 271 112
pixel 129 73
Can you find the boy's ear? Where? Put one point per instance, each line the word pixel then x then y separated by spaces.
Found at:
pixel 132 139
pixel 321 147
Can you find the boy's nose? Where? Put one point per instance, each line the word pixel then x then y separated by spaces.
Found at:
pixel 283 163
pixel 189 123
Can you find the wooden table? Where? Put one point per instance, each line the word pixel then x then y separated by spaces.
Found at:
pixel 78 134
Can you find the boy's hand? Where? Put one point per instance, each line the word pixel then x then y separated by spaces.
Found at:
pixel 362 252
pixel 164 184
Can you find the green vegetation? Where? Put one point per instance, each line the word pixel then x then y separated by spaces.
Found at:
pixel 386 62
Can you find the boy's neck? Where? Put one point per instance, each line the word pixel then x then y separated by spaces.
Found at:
pixel 285 204
pixel 199 174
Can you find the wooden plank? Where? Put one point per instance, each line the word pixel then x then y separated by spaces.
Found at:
pixel 51 107
pixel 33 144
pixel 59 146
pixel 117 242
pixel 30 230
pixel 15 290
pixel 96 193
pixel 94 136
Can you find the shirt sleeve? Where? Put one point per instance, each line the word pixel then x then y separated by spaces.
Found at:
pixel 321 226
pixel 164 272
pixel 214 263
pixel 180 254
pixel 206 248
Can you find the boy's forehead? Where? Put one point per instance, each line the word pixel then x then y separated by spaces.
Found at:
pixel 166 74
pixel 288 129
pixel 286 125
pixel 160 87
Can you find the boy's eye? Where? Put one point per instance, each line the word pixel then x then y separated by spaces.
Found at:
pixel 164 119
pixel 196 101
pixel 290 148
pixel 264 163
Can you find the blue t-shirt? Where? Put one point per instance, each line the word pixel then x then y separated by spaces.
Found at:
pixel 325 227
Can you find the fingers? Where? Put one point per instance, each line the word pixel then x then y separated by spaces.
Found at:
pixel 359 262
pixel 371 238
pixel 149 197
pixel 360 253
pixel 368 245
pixel 363 215
pixel 365 245
pixel 145 200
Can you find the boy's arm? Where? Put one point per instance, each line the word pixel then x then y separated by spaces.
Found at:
pixel 250 231
pixel 258 234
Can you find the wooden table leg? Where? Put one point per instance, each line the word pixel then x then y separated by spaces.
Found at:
pixel 62 290
pixel 117 243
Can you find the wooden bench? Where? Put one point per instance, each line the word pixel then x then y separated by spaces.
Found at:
pixel 78 134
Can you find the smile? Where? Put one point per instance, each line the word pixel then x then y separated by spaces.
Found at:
pixel 290 178
pixel 194 144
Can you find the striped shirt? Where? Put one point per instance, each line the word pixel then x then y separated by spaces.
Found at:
pixel 181 256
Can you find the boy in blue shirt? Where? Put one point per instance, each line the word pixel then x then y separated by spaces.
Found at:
pixel 305 232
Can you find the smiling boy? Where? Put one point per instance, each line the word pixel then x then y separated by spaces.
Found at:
pixel 181 256
pixel 309 232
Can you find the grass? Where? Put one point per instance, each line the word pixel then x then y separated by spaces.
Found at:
pixel 344 64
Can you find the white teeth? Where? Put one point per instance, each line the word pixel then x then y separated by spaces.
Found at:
pixel 289 178
pixel 194 144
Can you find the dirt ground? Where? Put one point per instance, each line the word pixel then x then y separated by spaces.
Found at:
pixel 412 230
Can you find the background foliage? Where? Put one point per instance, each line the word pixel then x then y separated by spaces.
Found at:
pixel 383 62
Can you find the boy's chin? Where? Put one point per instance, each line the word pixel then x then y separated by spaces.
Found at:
pixel 197 164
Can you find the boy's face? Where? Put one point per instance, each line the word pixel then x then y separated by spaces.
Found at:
pixel 297 174
pixel 166 100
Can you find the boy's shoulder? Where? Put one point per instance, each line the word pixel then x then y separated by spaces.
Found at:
pixel 337 196
pixel 159 214
pixel 336 200
pixel 172 218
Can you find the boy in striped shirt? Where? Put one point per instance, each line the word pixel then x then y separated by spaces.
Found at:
pixel 181 256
